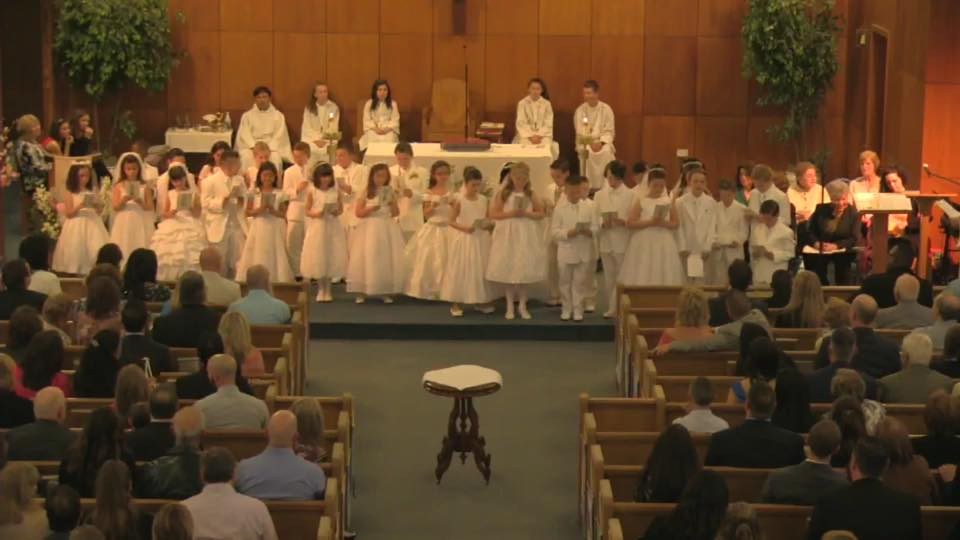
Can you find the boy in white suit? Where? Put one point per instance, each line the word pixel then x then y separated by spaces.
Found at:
pixel 296 180
pixel 223 197
pixel 698 227
pixel 772 244
pixel 559 172
pixel 411 180
pixel 732 230
pixel 613 207
pixel 764 190
pixel 573 226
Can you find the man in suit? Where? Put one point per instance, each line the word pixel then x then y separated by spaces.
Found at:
pixel 16 279
pixel 946 313
pixel 867 507
pixel 46 439
pixel 725 337
pixel 907 314
pixel 804 482
pixel 184 326
pixel 220 290
pixel 876 356
pixel 756 443
pixel 739 275
pixel 880 286
pixel 154 439
pixel 137 345
pixel 916 381
pixel 841 348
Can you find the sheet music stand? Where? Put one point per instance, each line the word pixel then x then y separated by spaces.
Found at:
pixel 924 202
pixel 879 234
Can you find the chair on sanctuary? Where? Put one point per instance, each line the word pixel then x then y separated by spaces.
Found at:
pixel 446 115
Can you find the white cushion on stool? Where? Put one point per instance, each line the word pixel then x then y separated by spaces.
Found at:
pixel 464 377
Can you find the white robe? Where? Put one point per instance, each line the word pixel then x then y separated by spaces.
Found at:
pixel 597 122
pixel 698 223
pixel 536 118
pixel 780 241
pixel 416 179
pixel 270 127
pixel 381 117
pixel 731 226
pixel 774 194
pixel 355 176
pixel 315 125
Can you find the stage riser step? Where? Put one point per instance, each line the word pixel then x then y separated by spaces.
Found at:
pixel 479 332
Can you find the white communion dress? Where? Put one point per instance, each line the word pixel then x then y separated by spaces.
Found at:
pixel 325 242
pixel 178 240
pixel 81 237
pixel 425 257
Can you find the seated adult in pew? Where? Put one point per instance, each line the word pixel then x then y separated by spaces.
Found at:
pixel 804 482
pixel 940 446
pixel 880 286
pixel 756 443
pixel 805 308
pixel 114 512
pixel 739 274
pixel 156 438
pixel 701 419
pixel 310 426
pixel 24 324
pixel 63 511
pixel 218 511
pixel 46 438
pixel 792 411
pixel 14 410
pixel 229 408
pixel 96 376
pixel 698 513
pixel 184 326
pixel 907 313
pixel 875 355
pixel 867 508
pixel 198 385
pixel 22 517
pixel 176 474
pixel 234 330
pixel 727 336
pixel 906 471
pixel 946 313
pixel 692 317
pixel 220 290
pixel 278 473
pixel 762 364
pixel 16 278
pixel 101 441
pixel 916 381
pixel 949 363
pixel 173 521
pixel 670 466
pixel 259 306
pixel 840 348
pixel 137 345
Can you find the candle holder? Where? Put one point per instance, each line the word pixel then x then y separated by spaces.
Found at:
pixel 333 139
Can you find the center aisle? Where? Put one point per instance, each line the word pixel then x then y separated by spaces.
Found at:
pixel 526 424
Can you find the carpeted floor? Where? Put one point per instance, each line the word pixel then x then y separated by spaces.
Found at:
pixel 530 427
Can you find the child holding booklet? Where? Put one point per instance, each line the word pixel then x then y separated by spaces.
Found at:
pixel 574 226
pixel 212 166
pixel 266 240
pixel 261 155
pixel 375 266
pixel 613 207
pixel 469 249
pixel 83 233
pixel 131 200
pixel 325 244
pixel 772 244
pixel 559 172
pixel 698 226
pixel 652 256
pixel 517 247
pixel 180 236
pixel 223 196
pixel 296 181
pixel 425 257
pixel 732 230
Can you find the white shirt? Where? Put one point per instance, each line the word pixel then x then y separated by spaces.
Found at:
pixel 45 282
pixel 777 239
pixel 325 120
pixel 772 194
pixel 698 223
pixel 220 513
pixel 416 179
pixel 220 290
pixel 534 118
pixel 597 121
pixel 805 202
pixel 578 249
pixel 216 215
pixel 269 126
pixel 619 200
pixel 702 421
pixel 293 177
pixel 732 226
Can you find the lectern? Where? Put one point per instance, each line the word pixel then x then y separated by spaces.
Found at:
pixel 924 203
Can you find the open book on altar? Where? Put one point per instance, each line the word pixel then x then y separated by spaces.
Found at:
pixel 866 202
pixel 810 250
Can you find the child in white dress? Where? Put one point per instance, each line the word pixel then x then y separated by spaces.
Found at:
pixel 266 240
pixel 375 267
pixel 180 237
pixel 131 200
pixel 213 161
pixel 425 257
pixel 517 247
pixel 698 226
pixel 324 255
pixel 469 249
pixel 83 233
pixel 652 257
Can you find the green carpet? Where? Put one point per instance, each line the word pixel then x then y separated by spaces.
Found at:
pixel 530 427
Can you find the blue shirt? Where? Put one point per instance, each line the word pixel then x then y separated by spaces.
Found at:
pixel 277 474
pixel 261 308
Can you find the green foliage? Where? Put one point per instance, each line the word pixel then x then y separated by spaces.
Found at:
pixel 790 49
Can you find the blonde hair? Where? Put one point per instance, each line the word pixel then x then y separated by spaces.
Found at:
pixel 173 522
pixel 870 155
pixel 309 415
pixel 520 168
pixel 261 147
pixel 234 330
pixel 56 308
pixel 132 387
pixel 18 485
pixel 7 368
pixel 836 313
pixel 806 300
pixel 693 309
pixel 26 122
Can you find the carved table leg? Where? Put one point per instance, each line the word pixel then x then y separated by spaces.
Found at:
pixel 449 442
pixel 477 443
pixel 463 439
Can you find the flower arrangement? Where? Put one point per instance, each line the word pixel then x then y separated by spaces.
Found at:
pixel 106 197
pixel 46 204
pixel 7 171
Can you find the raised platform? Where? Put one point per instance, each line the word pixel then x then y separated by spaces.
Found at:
pixel 412 319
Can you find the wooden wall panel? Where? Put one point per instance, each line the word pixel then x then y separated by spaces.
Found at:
pixel 565 17
pixel 449 57
pixel 411 86
pixel 247 62
pixel 670 77
pixel 353 62
pixel 671 17
pixel 835 100
pixel 721 89
pixel 629 141
pixel 443 17
pixel 406 17
pixel 721 145
pixel 246 15
pixel 943 52
pixel 617 64
pixel 564 65
pixel 762 149
pixel 195 83
pixel 198 15
pixel 718 18
pixel 662 136
pixel 617 18
pixel 512 17
pixel 510 61
pixel 307 16
pixel 353 16
pixel 828 133
pixel 304 63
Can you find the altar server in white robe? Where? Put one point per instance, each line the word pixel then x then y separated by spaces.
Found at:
pixel 296 182
pixel 574 226
pixel 698 227
pixel 535 118
pixel 732 230
pixel 263 122
pixel 411 181
pixel 223 197
pixel 381 116
pixel 351 178
pixel 594 119
pixel 772 244
pixel 613 208
pixel 321 118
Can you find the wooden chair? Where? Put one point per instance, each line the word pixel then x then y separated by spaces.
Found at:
pixel 446 115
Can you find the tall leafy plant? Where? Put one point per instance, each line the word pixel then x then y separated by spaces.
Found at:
pixel 790 50
pixel 106 46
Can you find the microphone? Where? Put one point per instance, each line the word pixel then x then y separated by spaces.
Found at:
pixel 932 173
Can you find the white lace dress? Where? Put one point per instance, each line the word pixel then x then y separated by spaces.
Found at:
pixel 132 226
pixel 376 254
pixel 325 243
pixel 178 240
pixel 517 251
pixel 266 245
pixel 80 239
pixel 652 256
pixel 464 281
pixel 425 256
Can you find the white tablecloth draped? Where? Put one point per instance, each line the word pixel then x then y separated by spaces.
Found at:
pixel 194 141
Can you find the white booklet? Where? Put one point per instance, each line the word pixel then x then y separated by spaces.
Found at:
pixel 184 200
pixel 810 250
pixel 695 265
pixel 662 211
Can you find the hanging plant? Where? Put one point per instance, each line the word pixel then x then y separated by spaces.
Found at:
pixel 790 50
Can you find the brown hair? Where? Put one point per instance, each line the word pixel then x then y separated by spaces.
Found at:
pixel 173 522
pixel 895 437
pixel 309 421
pixel 115 515
pixel 836 313
pixel 806 300
pixel 940 414
pixel 371 185
pixel 132 387
pixel 508 187
pixel 870 155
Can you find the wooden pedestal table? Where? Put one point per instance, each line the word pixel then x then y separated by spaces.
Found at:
pixel 463 383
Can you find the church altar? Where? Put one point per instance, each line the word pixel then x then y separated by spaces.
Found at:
pixel 194 140
pixel 489 162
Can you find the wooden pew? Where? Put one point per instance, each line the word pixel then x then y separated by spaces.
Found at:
pixel 909 413
pixel 259 384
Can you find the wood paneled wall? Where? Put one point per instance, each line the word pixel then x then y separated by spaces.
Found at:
pixel 671 69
